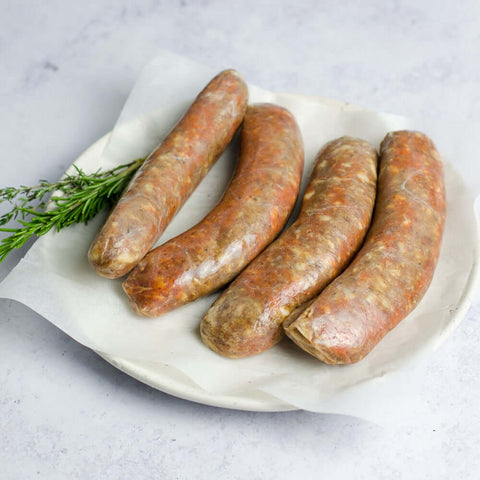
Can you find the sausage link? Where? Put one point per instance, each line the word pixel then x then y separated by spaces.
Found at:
pixel 337 207
pixel 253 210
pixel 169 176
pixel 393 270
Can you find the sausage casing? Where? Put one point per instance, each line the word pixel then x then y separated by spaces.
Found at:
pixel 169 176
pixel 337 207
pixel 254 208
pixel 393 270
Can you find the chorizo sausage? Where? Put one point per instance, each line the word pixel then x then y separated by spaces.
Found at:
pixel 394 268
pixel 169 176
pixel 337 207
pixel 254 208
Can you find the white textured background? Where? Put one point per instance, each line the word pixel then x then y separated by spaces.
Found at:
pixel 66 69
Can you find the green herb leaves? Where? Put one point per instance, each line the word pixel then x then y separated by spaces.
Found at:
pixel 75 199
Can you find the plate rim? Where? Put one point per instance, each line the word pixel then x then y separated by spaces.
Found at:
pixel 196 394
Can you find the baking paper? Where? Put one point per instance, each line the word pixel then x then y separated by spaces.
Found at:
pixel 55 279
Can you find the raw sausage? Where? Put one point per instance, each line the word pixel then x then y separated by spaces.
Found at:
pixel 169 176
pixel 393 270
pixel 337 207
pixel 254 208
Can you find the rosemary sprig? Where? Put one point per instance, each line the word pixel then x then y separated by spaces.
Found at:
pixel 75 199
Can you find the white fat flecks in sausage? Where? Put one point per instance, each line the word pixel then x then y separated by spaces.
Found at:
pixel 253 210
pixel 392 271
pixel 169 175
pixel 336 211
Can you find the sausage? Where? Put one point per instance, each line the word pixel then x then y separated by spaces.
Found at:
pixel 393 270
pixel 169 176
pixel 254 208
pixel 337 207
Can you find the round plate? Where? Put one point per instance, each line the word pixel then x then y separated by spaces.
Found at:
pixel 170 380
pixel 173 358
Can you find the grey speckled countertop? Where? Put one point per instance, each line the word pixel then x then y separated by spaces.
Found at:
pixel 66 69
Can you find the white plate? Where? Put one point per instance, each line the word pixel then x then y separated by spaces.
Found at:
pixel 55 280
pixel 170 380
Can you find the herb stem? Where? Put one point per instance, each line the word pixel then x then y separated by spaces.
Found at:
pixel 75 198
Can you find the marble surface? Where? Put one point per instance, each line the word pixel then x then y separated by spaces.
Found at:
pixel 66 69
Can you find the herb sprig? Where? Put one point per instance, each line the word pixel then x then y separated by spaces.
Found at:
pixel 75 198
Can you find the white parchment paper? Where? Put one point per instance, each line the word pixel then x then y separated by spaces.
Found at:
pixel 55 279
